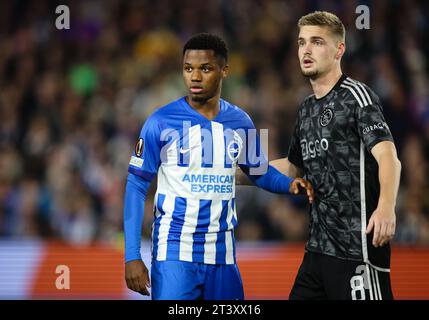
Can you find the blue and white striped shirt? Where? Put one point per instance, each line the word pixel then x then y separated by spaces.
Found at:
pixel 195 159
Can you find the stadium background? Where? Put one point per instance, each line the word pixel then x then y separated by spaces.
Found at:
pixel 73 101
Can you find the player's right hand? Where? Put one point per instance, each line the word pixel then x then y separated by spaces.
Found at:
pixel 300 185
pixel 137 277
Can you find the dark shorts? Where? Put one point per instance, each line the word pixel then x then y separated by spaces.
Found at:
pixel 323 277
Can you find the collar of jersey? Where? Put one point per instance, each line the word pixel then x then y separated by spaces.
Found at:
pixel 195 112
pixel 335 87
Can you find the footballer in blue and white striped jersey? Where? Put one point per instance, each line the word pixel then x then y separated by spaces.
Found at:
pixel 194 145
pixel 195 199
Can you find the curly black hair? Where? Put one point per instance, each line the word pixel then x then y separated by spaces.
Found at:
pixel 208 41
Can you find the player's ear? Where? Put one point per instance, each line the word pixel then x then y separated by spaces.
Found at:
pixel 341 48
pixel 225 70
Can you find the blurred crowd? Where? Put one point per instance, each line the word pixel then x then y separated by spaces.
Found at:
pixel 72 103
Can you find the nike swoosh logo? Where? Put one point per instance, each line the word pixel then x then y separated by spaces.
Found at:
pixel 185 150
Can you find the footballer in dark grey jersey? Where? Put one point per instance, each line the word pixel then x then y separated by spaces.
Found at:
pixel 343 146
pixel 331 144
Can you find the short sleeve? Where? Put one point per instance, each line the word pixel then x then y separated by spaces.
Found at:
pixel 146 158
pixel 371 125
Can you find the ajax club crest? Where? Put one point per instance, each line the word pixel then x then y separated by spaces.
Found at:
pixel 326 117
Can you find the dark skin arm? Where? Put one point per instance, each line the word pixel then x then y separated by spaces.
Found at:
pixel 298 185
pixel 137 277
pixel 302 186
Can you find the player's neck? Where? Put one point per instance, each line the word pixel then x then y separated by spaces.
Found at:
pixel 208 108
pixel 323 85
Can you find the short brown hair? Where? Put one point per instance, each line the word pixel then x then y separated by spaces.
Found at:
pixel 325 19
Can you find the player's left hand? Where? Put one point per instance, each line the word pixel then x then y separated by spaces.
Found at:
pixel 299 184
pixel 383 221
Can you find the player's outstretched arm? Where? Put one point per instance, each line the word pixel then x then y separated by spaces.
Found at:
pixel 299 185
pixel 383 219
pixel 286 167
pixel 302 186
pixel 283 165
pixel 136 273
pixel 274 181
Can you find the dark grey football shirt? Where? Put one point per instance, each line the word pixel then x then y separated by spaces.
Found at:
pixel 332 141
